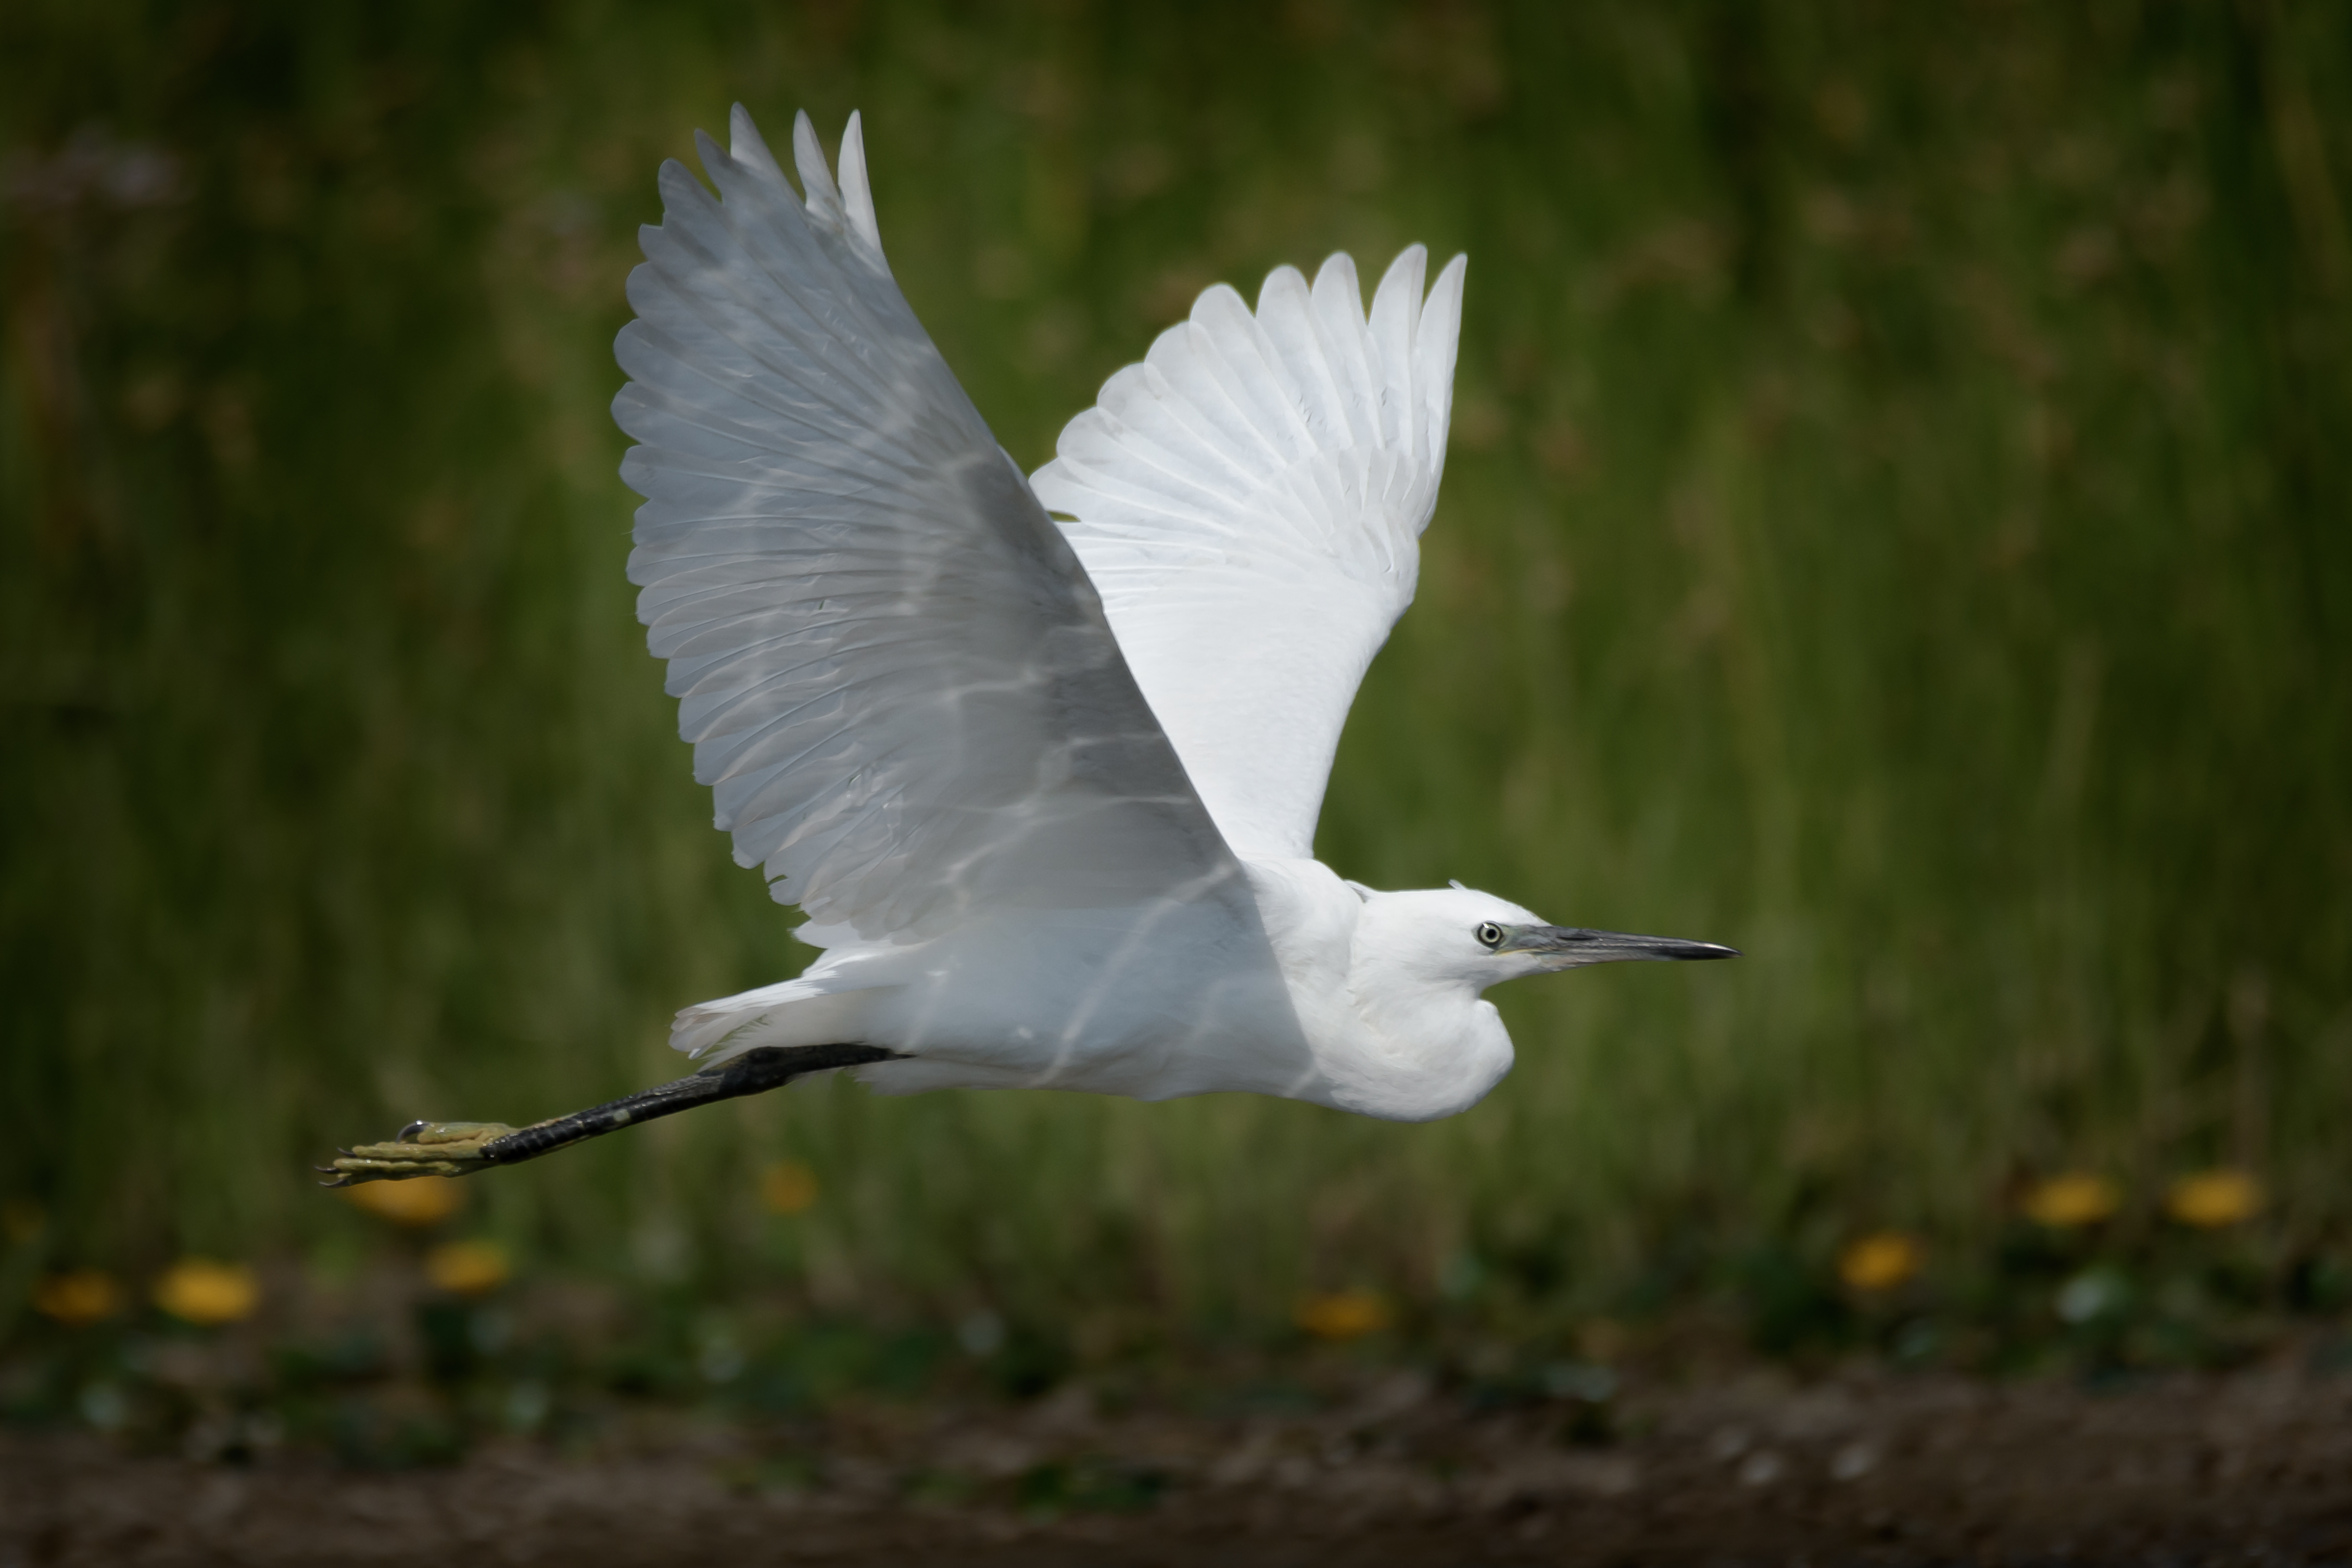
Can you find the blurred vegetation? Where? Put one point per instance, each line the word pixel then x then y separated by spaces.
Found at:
pixel 1896 523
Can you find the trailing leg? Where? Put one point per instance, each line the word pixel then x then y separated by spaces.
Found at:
pixel 462 1148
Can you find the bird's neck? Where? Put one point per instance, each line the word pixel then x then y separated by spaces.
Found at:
pixel 1420 1052
pixel 1387 1043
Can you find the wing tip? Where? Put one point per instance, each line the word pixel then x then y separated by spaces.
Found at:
pixel 1340 268
pixel 749 148
pixel 1441 314
pixel 840 200
pixel 1283 285
pixel 816 177
pixel 1400 284
pixel 857 188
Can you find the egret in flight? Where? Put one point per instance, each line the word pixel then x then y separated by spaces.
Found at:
pixel 1040 756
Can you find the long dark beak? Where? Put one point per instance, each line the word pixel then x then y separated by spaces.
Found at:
pixel 1567 947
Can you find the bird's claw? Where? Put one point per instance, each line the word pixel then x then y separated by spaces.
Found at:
pixel 421 1149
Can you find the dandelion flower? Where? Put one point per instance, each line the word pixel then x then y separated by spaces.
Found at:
pixel 78 1296
pixel 2072 1200
pixel 788 1188
pixel 417 1203
pixel 467 1268
pixel 2211 1199
pixel 1343 1315
pixel 1880 1261
pixel 200 1291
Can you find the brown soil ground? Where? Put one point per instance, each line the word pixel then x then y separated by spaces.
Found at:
pixel 2255 1467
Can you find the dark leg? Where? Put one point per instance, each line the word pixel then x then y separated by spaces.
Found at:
pixel 461 1148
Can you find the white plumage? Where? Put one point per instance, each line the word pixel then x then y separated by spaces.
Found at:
pixel 1048 791
pixel 1249 502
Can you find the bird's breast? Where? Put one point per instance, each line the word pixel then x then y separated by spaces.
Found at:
pixel 1383 1044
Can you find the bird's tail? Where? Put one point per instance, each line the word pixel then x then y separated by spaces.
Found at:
pixel 804 1012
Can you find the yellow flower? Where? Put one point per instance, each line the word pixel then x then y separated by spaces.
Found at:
pixel 467 1268
pixel 788 1188
pixel 2211 1199
pixel 1880 1261
pixel 80 1296
pixel 418 1201
pixel 1343 1315
pixel 2077 1198
pixel 199 1290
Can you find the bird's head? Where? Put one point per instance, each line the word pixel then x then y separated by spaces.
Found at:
pixel 1458 935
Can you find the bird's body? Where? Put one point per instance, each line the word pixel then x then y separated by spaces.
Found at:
pixel 1290 982
pixel 1045 781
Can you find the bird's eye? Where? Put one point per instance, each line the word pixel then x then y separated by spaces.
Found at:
pixel 1490 935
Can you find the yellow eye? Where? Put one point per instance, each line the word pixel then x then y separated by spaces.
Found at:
pixel 1490 935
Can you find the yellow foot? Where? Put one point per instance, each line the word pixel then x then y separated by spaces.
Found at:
pixel 423 1149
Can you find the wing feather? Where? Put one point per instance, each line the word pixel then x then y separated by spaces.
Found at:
pixel 1249 501
pixel 900 685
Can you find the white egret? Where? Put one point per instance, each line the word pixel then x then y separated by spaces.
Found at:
pixel 1047 789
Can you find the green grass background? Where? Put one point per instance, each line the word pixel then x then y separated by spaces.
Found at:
pixel 1897 522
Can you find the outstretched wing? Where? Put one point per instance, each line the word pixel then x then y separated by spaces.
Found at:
pixel 896 676
pixel 1249 502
